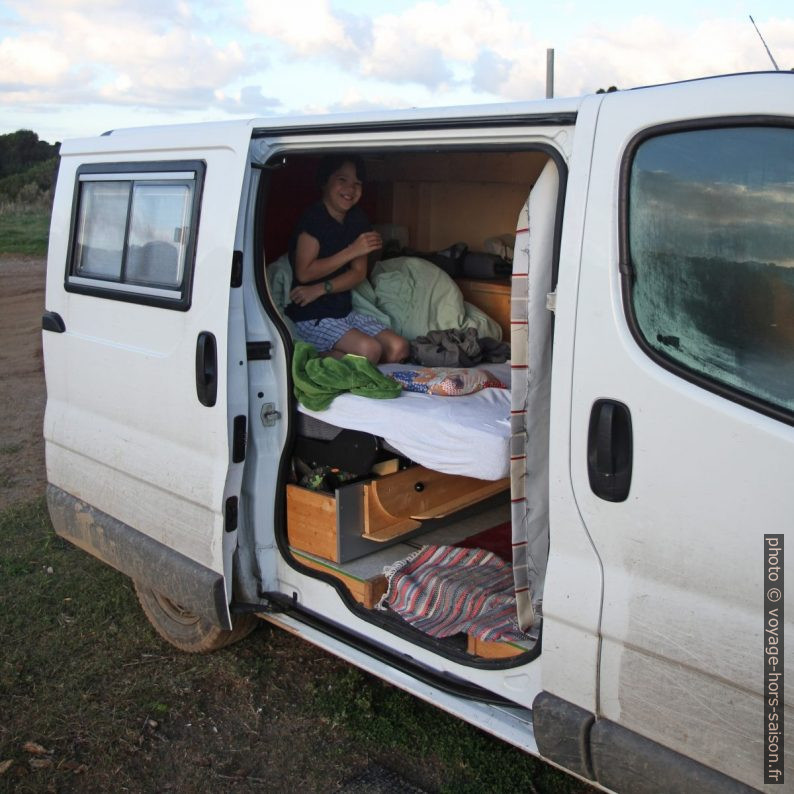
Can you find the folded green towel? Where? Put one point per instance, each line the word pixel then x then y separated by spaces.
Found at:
pixel 318 379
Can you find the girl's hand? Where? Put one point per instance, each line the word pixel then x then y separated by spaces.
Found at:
pixel 365 243
pixel 305 294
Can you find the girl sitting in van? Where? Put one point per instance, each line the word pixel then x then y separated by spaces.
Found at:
pixel 328 253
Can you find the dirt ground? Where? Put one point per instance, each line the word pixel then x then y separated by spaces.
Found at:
pixel 22 391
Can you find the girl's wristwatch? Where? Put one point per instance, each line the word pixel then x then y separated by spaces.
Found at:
pixel 328 286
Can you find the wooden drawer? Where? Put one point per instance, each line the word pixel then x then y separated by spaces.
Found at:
pixel 361 517
pixel 492 296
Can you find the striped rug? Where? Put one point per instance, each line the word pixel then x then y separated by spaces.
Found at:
pixel 446 590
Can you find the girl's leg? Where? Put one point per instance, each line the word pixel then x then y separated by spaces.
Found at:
pixel 360 344
pixel 395 347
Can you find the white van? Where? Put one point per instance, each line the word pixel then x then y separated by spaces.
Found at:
pixel 637 469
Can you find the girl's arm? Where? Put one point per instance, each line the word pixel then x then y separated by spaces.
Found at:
pixel 306 293
pixel 309 268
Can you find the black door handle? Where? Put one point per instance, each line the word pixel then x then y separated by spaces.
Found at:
pixel 206 369
pixel 52 321
pixel 610 450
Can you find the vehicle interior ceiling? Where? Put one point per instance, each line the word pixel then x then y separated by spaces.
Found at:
pixel 422 201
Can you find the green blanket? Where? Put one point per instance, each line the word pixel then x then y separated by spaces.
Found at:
pixel 409 295
pixel 420 297
pixel 318 379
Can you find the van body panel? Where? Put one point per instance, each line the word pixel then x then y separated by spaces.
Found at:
pixel 148 562
pixel 681 655
pixel 572 592
pixel 124 428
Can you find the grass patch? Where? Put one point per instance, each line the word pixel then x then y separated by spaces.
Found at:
pixel 10 449
pixel 472 761
pixel 109 706
pixel 24 230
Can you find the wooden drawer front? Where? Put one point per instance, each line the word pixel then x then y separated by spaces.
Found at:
pixel 311 521
pixel 493 297
pixel 376 512
pixel 398 503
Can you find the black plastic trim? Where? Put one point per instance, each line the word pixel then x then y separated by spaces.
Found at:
pixel 618 758
pixel 239 438
pixel 258 351
pixel 562 732
pixel 610 450
pixel 626 761
pixel 627 269
pixel 230 514
pixel 237 270
pixel 206 369
pixel 102 289
pixel 139 556
pixel 463 122
pixel 52 321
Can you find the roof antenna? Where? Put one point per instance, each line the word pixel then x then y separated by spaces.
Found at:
pixel 777 68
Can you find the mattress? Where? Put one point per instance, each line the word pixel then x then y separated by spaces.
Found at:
pixel 467 435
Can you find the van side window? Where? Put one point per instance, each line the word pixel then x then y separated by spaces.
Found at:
pixel 711 247
pixel 134 232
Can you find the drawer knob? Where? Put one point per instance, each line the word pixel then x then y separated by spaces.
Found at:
pixel 419 487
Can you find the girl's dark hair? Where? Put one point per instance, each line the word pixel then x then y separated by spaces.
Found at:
pixel 333 162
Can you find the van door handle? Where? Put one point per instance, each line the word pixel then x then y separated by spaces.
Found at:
pixel 610 450
pixel 206 369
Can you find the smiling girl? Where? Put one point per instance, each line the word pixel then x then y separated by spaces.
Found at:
pixel 328 253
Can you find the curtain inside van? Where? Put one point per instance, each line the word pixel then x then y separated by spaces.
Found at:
pixel 530 393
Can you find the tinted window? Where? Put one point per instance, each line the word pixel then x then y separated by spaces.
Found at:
pixel 134 231
pixel 711 240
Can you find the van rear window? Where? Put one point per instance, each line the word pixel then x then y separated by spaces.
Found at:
pixel 134 232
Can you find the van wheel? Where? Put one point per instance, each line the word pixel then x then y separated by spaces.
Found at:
pixel 186 630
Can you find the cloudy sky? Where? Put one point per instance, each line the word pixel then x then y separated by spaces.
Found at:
pixel 78 67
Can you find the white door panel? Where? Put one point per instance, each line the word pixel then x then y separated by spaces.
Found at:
pixel 682 622
pixel 124 428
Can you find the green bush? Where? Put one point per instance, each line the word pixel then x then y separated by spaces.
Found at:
pixel 32 187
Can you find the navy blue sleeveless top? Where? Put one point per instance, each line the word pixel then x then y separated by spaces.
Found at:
pixel 333 236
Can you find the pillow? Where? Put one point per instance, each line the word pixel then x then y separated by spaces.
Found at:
pixel 446 381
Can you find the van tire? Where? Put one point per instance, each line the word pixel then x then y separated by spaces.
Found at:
pixel 186 630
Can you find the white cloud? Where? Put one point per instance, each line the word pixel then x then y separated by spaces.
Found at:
pixel 308 27
pixel 446 44
pixel 641 52
pixel 249 101
pixel 31 61
pixel 152 54
pixel 420 45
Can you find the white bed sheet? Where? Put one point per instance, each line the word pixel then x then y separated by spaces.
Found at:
pixel 467 435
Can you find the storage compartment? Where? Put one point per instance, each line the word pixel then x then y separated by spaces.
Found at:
pixel 361 517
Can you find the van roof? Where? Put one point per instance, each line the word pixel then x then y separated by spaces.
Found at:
pixel 559 108
pixel 560 111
